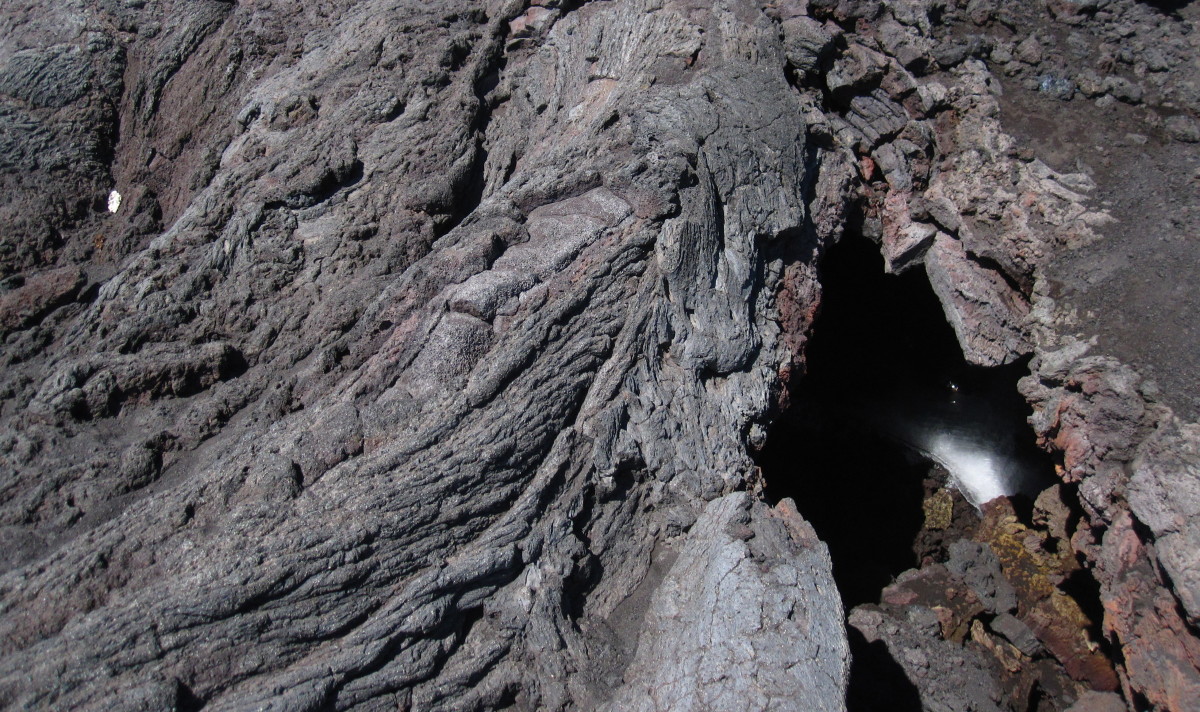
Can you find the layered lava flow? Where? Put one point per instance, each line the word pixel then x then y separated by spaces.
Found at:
pixel 418 354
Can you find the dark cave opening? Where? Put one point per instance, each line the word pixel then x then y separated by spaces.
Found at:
pixel 877 681
pixel 886 386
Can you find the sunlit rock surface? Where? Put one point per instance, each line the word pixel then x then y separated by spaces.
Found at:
pixel 398 354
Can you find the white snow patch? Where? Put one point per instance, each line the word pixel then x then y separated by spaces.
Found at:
pixel 114 201
pixel 979 473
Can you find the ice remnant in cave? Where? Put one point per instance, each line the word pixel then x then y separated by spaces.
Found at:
pixel 979 472
pixel 974 433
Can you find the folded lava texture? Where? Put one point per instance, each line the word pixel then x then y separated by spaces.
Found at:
pixel 414 354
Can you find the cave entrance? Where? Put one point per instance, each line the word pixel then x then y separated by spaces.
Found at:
pixel 887 414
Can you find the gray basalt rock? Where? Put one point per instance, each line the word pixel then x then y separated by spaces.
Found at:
pixel 725 613
pixel 418 329
pixel 1164 493
pixel 947 676
pixel 985 311
pixel 397 354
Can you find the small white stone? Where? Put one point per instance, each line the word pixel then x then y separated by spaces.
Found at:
pixel 114 201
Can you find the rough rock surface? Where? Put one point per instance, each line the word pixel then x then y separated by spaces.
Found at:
pixel 722 629
pixel 422 359
pixel 950 677
pixel 416 328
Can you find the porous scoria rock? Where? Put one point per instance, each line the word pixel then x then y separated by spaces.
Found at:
pixel 1125 451
pixel 418 327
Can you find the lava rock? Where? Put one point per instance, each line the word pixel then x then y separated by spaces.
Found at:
pixel 1093 701
pixel 947 676
pixel 976 564
pixel 1183 128
pixel 1057 87
pixel 423 361
pixel 718 577
pixel 806 43
pixel 39 295
pixel 1124 90
pixel 430 335
pixel 1016 633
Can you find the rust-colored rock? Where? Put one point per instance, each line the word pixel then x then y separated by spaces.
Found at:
pixel 1054 617
pixel 41 294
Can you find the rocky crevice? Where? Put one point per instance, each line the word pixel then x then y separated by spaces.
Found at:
pixel 989 289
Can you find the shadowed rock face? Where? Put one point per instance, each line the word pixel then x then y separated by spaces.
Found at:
pixel 422 360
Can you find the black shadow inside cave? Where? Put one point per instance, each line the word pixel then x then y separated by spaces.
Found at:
pixel 877 681
pixel 880 366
